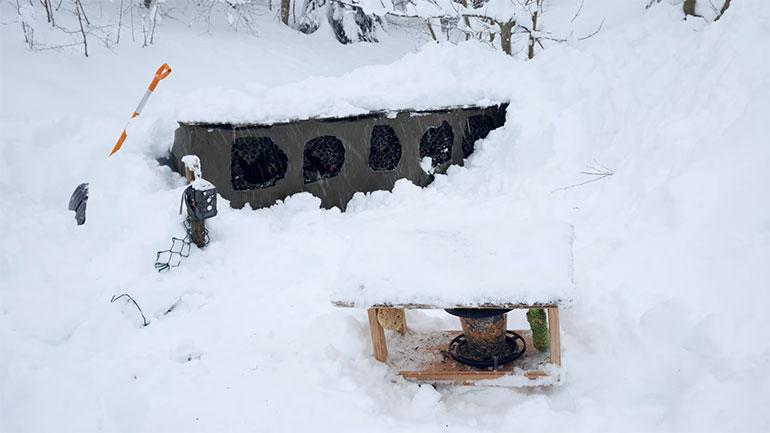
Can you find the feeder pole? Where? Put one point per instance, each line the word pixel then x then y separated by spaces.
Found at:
pixel 197 227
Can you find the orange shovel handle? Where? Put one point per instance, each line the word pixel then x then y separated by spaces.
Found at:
pixel 119 144
pixel 163 71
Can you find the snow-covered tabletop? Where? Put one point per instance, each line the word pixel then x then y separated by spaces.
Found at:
pixel 475 265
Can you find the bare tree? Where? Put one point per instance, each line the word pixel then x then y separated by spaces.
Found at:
pixel 149 15
pixel 49 11
pixel 348 21
pixel 285 6
pixel 472 20
pixel 26 19
pixel 77 19
pixel 120 23
pixel 81 16
pixel 688 7
pixel 692 8
pixel 533 31
pixel 722 11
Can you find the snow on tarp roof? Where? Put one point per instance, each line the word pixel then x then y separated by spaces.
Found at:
pixel 509 264
pixel 438 78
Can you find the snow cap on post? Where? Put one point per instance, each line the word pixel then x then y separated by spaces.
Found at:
pixel 192 164
pixel 194 173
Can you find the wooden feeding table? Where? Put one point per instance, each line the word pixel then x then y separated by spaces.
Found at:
pixel 482 270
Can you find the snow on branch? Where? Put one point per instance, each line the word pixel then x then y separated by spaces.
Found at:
pixel 486 20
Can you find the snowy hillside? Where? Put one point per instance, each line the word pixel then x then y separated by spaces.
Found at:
pixel 669 328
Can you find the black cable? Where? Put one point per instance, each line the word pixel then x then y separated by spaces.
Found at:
pixel 115 298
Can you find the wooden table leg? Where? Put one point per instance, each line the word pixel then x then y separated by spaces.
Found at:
pixel 402 327
pixel 553 335
pixel 393 319
pixel 379 345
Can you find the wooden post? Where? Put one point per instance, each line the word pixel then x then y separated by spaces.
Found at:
pixel 198 227
pixel 554 340
pixel 198 232
pixel 379 345
pixel 393 319
pixel 402 327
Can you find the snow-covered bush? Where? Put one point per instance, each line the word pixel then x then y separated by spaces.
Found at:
pixel 705 9
pixel 513 25
pixel 348 23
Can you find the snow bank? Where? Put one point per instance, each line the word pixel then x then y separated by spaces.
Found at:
pixel 435 78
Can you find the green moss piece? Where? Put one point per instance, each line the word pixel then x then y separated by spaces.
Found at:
pixel 539 325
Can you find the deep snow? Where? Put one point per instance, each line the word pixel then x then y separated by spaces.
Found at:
pixel 669 329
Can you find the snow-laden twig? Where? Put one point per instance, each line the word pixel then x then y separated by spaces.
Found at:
pixel 598 171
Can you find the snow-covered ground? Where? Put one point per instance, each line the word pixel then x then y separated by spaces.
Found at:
pixel 670 325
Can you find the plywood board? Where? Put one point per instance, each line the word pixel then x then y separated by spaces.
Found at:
pixel 423 357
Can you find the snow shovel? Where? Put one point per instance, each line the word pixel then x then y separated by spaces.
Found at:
pixel 79 198
pixel 163 71
pixel 78 202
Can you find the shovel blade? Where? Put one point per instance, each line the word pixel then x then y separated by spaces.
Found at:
pixel 78 202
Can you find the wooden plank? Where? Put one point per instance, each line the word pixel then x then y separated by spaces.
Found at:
pixel 466 377
pixel 379 346
pixel 554 335
pixel 445 369
pixel 452 376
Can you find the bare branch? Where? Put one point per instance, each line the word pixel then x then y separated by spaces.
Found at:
pixel 78 8
pixel 592 171
pixel 649 5
pixel 580 8
pixel 598 29
pixel 725 5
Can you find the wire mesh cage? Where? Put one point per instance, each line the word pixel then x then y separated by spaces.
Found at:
pixel 384 149
pixel 436 143
pixel 256 162
pixel 476 128
pixel 324 157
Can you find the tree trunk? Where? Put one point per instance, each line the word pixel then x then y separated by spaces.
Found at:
pixel 531 47
pixel 689 8
pixel 285 11
pixel 78 9
pixel 725 5
pixel 506 33
pixel 432 33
